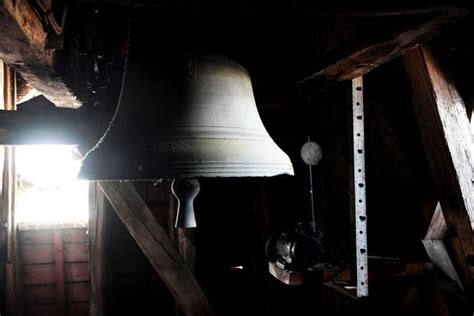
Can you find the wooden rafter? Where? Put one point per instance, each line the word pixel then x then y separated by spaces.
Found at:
pixel 349 59
pixel 446 136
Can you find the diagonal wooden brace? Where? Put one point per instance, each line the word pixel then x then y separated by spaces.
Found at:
pixel 446 136
pixel 157 247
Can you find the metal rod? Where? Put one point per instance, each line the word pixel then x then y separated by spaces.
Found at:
pixel 360 187
pixel 311 195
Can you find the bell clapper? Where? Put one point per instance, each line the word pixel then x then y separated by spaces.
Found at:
pixel 185 190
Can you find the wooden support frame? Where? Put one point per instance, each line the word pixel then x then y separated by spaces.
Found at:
pixel 349 60
pixel 446 136
pixel 24 46
pixel 157 247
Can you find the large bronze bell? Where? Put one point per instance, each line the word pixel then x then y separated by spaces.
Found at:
pixel 203 123
pixel 184 116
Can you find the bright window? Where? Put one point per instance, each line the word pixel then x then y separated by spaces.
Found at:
pixel 48 189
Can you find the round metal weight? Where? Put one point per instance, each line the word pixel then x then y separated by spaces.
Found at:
pixel 311 153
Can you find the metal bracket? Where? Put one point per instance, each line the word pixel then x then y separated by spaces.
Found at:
pixel 360 186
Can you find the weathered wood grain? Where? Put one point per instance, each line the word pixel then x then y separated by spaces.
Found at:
pixel 77 292
pixel 34 254
pixel 46 294
pixel 37 274
pixel 157 247
pixel 77 272
pixel 35 237
pixel 446 137
pixel 76 252
pixel 39 294
pixel 24 48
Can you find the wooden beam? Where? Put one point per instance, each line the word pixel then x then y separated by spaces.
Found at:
pixel 38 122
pixel 446 137
pixel 97 258
pixel 24 48
pixel 157 247
pixel 348 59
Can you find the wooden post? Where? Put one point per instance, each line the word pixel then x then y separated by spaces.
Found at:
pixel 446 137
pixel 3 214
pixel 12 302
pixel 59 262
pixel 157 247
pixel 97 258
